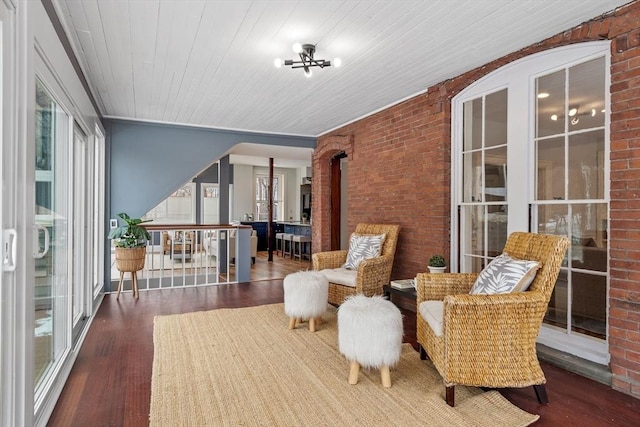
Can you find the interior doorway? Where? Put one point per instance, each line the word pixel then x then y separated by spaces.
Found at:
pixel 338 199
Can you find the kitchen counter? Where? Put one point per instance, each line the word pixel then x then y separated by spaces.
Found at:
pixel 295 227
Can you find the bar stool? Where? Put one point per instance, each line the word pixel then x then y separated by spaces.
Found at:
pixel 287 250
pixel 301 242
pixel 279 248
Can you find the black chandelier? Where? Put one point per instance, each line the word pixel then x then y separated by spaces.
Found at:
pixel 307 61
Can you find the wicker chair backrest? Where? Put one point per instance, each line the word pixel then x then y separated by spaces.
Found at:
pixel 391 239
pixel 547 249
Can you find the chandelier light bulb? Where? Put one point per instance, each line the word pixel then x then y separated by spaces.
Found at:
pixel 278 62
pixel 337 62
pixel 573 112
pixel 297 47
pixel 307 73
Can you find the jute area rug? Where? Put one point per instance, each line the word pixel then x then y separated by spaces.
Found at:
pixel 244 367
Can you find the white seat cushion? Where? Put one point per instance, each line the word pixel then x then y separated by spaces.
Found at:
pixel 341 276
pixel 433 313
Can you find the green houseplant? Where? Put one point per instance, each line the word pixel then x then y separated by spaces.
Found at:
pixel 437 264
pixel 131 242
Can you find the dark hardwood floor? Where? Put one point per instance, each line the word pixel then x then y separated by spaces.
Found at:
pixel 110 384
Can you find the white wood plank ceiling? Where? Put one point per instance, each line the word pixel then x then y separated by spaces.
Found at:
pixel 210 63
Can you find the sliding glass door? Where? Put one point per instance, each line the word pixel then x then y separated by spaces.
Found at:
pixel 51 211
pixel 8 275
pixel 82 213
pixel 51 277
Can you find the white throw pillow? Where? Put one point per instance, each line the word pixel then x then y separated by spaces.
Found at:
pixel 504 275
pixel 361 247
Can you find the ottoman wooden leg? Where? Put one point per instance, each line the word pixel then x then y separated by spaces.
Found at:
pixel 386 376
pixel 312 324
pixel 353 373
pixel 292 322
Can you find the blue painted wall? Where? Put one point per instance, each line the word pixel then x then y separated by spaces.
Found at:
pixel 148 161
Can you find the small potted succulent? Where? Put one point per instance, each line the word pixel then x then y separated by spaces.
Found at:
pixel 437 264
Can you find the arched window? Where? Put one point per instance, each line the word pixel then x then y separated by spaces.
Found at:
pixel 530 153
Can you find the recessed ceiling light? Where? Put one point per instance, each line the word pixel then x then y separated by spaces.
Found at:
pixel 542 95
pixel 554 117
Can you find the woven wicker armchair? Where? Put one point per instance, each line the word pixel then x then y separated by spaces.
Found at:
pixel 372 273
pixel 490 340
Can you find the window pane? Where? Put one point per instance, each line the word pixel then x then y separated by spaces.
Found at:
pixel 550 96
pixel 496 119
pixel 588 242
pixel 557 309
pixel 586 165
pixel 552 219
pixel 473 264
pixel 586 94
pixel 496 229
pixel 472 175
pixel 588 304
pixel 550 164
pixel 472 134
pixel 475 229
pixel 51 275
pixel 495 174
pixel 210 203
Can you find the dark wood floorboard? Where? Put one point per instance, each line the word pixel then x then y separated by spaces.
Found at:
pixel 110 383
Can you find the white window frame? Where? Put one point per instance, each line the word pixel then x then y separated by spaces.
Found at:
pixel 203 199
pixel 280 215
pixel 519 77
pixel 98 212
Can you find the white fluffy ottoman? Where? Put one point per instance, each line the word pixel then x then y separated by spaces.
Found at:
pixel 370 334
pixel 305 297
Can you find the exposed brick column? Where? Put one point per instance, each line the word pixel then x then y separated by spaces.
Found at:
pixel 624 237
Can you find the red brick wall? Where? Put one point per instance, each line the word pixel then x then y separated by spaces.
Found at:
pixel 624 267
pixel 399 164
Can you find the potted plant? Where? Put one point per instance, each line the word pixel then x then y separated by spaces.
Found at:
pixel 437 264
pixel 131 242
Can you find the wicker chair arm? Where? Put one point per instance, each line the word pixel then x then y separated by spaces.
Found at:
pixel 484 329
pixel 330 259
pixel 437 286
pixel 373 274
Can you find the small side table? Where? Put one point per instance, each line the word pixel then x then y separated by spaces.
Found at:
pixel 409 293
